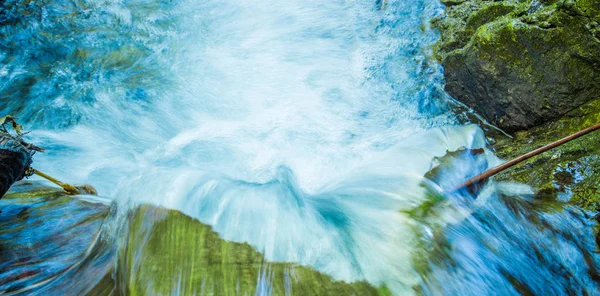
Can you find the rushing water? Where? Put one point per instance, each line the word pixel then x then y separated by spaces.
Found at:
pixel 303 128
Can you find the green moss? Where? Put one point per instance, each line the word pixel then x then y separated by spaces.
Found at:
pixel 520 63
pixel 488 13
pixel 571 170
pixel 461 20
pixel 168 251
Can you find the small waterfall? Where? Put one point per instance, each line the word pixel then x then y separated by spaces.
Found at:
pixel 302 128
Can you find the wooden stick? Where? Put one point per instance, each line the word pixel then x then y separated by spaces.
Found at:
pixel 524 157
pixel 70 189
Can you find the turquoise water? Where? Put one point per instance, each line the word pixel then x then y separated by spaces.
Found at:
pixel 302 128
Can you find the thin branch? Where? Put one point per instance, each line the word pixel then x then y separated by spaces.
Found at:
pixel 524 157
pixel 69 189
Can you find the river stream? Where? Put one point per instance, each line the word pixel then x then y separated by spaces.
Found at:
pixel 302 128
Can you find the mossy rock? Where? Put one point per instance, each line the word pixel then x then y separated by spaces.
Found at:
pixel 521 63
pixel 47 234
pixel 167 251
pixel 570 171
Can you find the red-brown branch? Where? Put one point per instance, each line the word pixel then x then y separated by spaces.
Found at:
pixel 524 157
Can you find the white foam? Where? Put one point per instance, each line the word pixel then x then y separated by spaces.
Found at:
pixel 295 126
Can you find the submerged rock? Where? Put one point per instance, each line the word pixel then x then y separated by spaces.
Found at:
pixel 521 63
pixel 167 251
pixel 45 242
pixel 57 244
pixel 468 244
pixel 58 59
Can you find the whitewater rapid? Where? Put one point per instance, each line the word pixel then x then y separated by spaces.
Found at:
pixel 303 128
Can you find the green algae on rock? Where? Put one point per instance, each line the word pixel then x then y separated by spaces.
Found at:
pixel 520 63
pixel 570 171
pixel 167 251
pixel 163 251
pixel 523 63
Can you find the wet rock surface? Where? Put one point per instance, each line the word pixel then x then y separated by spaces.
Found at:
pixel 497 221
pixel 55 244
pixel 45 238
pixel 520 63
pixel 569 172
pixel 168 251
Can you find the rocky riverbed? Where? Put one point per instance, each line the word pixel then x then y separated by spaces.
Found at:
pixel 520 63
pixel 53 243
pixel 241 149
pixel 532 68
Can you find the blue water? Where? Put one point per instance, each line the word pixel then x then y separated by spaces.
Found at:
pixel 303 128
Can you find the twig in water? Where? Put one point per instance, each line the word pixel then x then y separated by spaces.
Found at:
pixel 70 189
pixel 522 158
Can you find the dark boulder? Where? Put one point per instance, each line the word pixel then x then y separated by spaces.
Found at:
pixel 15 157
pixel 521 63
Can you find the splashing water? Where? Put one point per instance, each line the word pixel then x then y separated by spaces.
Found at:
pixel 302 128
